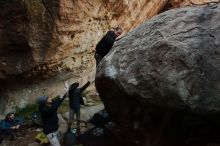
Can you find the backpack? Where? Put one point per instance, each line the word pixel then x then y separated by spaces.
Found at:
pixel 69 138
pixel 101 118
pixel 36 119
pixel 41 137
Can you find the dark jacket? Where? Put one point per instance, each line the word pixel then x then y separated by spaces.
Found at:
pixel 75 97
pixel 7 124
pixel 49 116
pixel 106 43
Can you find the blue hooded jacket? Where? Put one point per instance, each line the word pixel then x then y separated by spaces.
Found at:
pixel 8 123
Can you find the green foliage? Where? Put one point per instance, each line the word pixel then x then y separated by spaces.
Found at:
pixel 27 111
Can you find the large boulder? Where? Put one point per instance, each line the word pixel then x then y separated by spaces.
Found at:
pixel 161 82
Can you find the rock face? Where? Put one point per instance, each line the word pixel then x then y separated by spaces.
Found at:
pixel 182 3
pixel 50 37
pixel 161 81
pixel 41 39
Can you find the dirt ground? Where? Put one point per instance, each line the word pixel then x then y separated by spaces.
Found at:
pixel 26 136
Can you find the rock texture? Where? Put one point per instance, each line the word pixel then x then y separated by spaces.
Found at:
pixel 41 39
pixel 183 3
pixel 161 81
pixel 50 37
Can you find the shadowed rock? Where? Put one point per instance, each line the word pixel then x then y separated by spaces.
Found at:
pixel 161 81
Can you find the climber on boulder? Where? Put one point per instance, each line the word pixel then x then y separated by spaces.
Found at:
pixel 106 43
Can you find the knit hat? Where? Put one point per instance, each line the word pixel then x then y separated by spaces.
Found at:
pixel 42 99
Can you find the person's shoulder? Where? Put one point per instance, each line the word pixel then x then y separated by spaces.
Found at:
pixel 110 32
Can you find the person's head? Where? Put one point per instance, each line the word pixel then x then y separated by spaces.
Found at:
pixel 43 100
pixel 118 31
pixel 10 116
pixel 49 100
pixel 72 88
